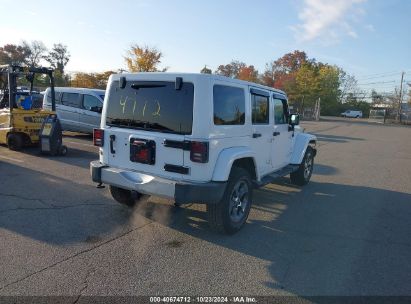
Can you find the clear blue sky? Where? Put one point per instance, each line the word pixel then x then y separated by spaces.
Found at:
pixel 364 37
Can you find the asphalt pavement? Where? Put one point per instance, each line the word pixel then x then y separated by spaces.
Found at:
pixel 348 232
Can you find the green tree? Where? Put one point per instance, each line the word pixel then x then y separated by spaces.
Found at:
pixel 37 52
pixel 14 54
pixel 58 57
pixel 205 70
pixel 143 59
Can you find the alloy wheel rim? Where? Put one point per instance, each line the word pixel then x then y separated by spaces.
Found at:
pixel 308 165
pixel 239 200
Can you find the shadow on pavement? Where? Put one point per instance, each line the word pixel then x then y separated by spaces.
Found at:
pixel 335 138
pixel 54 210
pixel 74 157
pixel 324 239
pixel 320 169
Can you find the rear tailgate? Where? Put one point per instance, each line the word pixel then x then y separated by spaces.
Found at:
pixel 142 118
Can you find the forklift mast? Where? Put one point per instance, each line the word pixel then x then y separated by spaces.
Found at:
pixel 14 71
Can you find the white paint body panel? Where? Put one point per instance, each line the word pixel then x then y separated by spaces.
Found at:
pixel 226 143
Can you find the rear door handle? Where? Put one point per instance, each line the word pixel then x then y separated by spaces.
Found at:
pixel 112 139
pixel 276 133
pixel 256 135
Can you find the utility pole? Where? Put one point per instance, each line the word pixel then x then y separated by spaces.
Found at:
pixel 400 101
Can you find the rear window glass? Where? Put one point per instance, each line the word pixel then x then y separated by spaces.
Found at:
pixel 229 105
pixel 151 105
pixel 260 109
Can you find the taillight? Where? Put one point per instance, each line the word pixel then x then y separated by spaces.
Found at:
pixel 199 152
pixel 98 137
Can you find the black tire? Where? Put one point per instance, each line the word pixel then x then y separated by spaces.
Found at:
pixel 358 116
pixel 302 176
pixel 15 141
pixel 63 150
pixel 123 196
pixel 224 216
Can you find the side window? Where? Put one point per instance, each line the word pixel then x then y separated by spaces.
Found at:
pixel 57 95
pixel 279 112
pixel 229 105
pixel 260 109
pixel 71 100
pixel 91 103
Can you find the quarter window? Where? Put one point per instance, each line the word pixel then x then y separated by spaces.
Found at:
pixel 260 110
pixel 229 105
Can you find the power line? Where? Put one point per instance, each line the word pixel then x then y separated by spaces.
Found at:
pixel 393 81
pixel 383 76
pixel 380 76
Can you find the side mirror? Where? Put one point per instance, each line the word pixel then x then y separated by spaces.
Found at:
pixel 294 120
pixel 96 109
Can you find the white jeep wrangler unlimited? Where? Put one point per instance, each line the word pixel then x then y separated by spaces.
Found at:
pixel 198 138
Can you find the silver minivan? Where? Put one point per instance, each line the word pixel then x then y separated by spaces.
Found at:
pixel 78 109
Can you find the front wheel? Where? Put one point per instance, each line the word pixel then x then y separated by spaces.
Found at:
pixel 124 196
pixel 15 141
pixel 302 176
pixel 231 213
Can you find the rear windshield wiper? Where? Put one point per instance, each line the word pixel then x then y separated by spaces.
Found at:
pixel 147 85
pixel 138 124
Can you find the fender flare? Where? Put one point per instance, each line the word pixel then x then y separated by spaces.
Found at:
pixel 225 161
pixel 302 141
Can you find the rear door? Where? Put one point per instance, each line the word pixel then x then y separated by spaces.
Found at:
pixel 146 124
pixel 262 130
pixel 69 111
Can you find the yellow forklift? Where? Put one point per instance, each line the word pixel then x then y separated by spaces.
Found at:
pixel 21 124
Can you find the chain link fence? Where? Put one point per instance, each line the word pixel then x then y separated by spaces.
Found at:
pixel 390 116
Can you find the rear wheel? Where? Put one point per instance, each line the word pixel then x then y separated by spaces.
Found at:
pixel 124 196
pixel 15 141
pixel 231 213
pixel 63 150
pixel 302 176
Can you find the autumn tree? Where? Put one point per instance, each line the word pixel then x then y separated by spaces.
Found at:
pixel 58 57
pixel 14 54
pixel 91 80
pixel 248 73
pixel 238 70
pixel 281 72
pixel 143 59
pixel 37 52
pixel 231 69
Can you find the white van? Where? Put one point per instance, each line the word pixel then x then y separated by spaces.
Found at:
pixel 352 114
pixel 78 109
